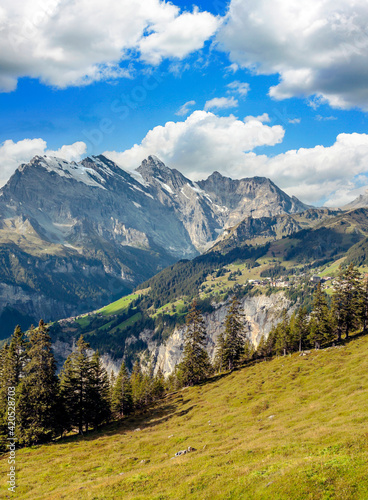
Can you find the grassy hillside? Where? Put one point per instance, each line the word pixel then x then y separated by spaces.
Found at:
pixel 291 428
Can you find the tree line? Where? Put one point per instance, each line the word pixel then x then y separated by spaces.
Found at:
pixel 327 322
pixel 84 397
pixel 81 398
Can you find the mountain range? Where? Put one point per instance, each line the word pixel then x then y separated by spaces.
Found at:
pixel 74 236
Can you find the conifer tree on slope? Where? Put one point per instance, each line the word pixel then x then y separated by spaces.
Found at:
pixel 320 324
pixel 75 383
pixel 122 398
pixel 12 360
pixel 99 392
pixel 196 365
pixel 300 329
pixel 38 390
pixel 231 344
pixel 283 335
pixel 364 304
pixel 347 303
pixel 138 382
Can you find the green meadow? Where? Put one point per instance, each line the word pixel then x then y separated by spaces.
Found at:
pixel 293 427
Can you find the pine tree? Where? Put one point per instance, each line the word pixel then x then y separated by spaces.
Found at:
pixel 196 365
pixel 75 382
pixel 300 329
pixel 220 359
pixel 262 347
pixel 122 397
pixel 364 304
pixel 12 361
pixel 158 384
pixel 347 301
pixel 99 392
pixel 38 390
pixel 231 344
pixel 283 335
pixel 138 382
pixel 248 350
pixel 320 325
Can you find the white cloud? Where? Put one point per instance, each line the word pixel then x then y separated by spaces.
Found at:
pixel 328 175
pixel 261 118
pixel 221 103
pixel 201 144
pixel 294 121
pixel 178 36
pixel 319 48
pixel 242 88
pixel 13 154
pixel 184 109
pixel 67 43
pixel 205 142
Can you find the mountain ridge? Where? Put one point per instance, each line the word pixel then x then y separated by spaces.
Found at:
pixel 93 229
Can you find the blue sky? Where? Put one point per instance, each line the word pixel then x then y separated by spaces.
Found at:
pixel 79 78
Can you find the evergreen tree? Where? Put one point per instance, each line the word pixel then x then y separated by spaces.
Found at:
pixel 262 347
pixel 248 350
pixel 196 365
pixel 138 382
pixel 220 357
pixel 348 301
pixel 122 398
pixel 158 385
pixel 230 346
pixel 320 325
pixel 12 361
pixel 76 380
pixel 99 392
pixel 38 390
pixel 300 329
pixel 283 335
pixel 364 304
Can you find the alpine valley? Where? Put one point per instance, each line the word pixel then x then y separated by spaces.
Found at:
pixel 77 236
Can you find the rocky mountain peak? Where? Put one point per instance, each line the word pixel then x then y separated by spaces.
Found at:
pixel 360 202
pixel 153 166
pixel 155 172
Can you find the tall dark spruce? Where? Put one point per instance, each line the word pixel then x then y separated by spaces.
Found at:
pixel 37 393
pixel 196 365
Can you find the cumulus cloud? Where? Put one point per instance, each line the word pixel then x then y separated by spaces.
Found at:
pixel 184 109
pixel 201 144
pixel 205 142
pixel 261 118
pixel 221 103
pixel 67 43
pixel 320 175
pixel 13 154
pixel 294 121
pixel 318 48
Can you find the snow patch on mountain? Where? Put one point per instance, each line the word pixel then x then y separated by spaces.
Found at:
pixel 72 170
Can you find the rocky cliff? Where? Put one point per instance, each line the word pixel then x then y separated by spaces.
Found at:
pixel 260 313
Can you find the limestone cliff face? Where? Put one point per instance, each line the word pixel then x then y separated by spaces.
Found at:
pixel 261 312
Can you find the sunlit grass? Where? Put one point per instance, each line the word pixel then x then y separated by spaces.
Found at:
pixel 291 428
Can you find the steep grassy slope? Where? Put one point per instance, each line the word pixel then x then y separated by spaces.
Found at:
pixel 290 428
